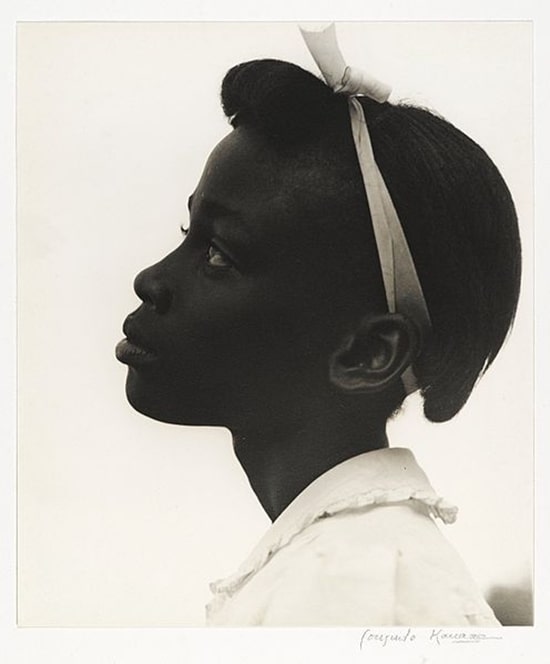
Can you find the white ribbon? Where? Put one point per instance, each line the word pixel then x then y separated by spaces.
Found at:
pixel 324 48
pixel 401 284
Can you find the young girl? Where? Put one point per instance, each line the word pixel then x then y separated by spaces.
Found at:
pixel 342 253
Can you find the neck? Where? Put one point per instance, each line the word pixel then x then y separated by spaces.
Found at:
pixel 281 463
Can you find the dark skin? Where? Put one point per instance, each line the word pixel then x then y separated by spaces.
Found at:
pixel 251 324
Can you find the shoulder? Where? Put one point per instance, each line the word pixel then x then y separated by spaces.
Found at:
pixel 384 565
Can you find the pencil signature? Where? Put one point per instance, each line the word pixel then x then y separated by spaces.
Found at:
pixel 435 636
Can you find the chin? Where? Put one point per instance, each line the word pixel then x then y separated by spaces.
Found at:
pixel 158 404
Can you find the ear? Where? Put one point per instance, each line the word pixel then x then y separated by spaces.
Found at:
pixel 376 354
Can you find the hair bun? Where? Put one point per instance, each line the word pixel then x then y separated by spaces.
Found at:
pixel 280 98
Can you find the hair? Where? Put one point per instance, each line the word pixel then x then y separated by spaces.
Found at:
pixel 455 208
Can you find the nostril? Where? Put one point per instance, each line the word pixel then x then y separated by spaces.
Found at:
pixel 161 299
pixel 152 291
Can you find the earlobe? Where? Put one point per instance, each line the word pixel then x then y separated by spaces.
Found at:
pixel 375 355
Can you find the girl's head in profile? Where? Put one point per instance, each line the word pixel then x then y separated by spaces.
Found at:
pixel 341 253
pixel 271 313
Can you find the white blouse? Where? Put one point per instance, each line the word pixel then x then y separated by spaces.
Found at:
pixel 358 547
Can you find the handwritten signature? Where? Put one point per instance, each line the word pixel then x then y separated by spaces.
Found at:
pixel 438 637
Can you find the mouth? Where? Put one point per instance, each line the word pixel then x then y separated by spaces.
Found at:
pixel 128 353
pixel 133 350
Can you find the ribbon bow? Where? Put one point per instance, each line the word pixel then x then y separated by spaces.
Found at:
pixel 403 290
pixel 324 48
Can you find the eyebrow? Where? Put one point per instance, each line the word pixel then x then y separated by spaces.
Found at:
pixel 221 213
pixel 214 207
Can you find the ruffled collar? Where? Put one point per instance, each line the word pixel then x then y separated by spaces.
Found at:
pixel 385 476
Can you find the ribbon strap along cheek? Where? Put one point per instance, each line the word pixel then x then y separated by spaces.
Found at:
pixel 402 287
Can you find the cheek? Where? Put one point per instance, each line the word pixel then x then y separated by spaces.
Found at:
pixel 242 331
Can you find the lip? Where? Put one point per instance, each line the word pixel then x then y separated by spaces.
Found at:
pixel 134 350
pixel 128 353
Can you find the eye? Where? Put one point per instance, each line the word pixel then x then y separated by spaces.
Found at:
pixel 184 230
pixel 216 258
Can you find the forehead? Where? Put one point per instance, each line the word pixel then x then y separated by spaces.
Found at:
pixel 267 190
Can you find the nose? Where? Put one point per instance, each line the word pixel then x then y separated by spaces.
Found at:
pixel 150 287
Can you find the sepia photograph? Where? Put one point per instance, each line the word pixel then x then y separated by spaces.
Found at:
pixel 275 324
